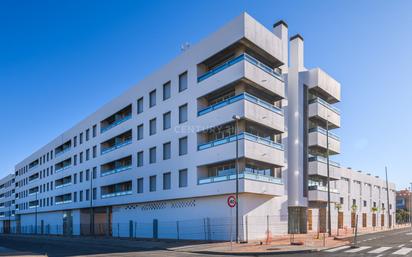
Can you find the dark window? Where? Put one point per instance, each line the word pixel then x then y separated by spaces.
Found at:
pixel 166 90
pixel 183 81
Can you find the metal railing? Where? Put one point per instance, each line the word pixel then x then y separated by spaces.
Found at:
pixel 322 188
pixel 62 152
pixel 116 170
pixel 115 123
pixel 116 194
pixel 243 57
pixel 242 175
pixel 324 132
pixel 63 185
pixel 62 168
pixel 324 160
pixel 243 135
pixel 324 103
pixel 243 96
pixel 117 146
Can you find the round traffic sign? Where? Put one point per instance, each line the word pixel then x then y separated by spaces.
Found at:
pixel 231 201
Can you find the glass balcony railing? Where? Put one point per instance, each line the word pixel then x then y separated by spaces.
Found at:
pixel 324 103
pixel 242 175
pixel 243 96
pixel 323 131
pixel 117 146
pixel 115 123
pixel 324 160
pixel 117 194
pixel 243 135
pixel 116 170
pixel 322 188
pixel 63 202
pixel 63 185
pixel 243 57
pixel 62 168
pixel 62 152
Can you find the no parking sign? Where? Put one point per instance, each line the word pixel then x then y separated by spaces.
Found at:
pixel 231 201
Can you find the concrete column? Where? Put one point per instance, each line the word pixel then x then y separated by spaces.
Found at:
pixel 280 29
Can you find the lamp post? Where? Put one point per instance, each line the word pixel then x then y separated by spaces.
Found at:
pixel 35 215
pixel 328 177
pixel 91 203
pixel 237 118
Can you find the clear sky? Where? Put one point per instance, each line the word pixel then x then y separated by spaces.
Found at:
pixel 61 60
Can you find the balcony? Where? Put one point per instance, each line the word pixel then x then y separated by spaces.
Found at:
pixel 116 119
pixel 116 166
pixel 120 189
pixel 63 148
pixel 34 177
pixel 63 199
pixel 34 190
pixel 63 182
pixel 34 164
pixel 245 106
pixel 250 146
pixel 244 67
pixel 322 111
pixel 242 175
pixel 317 166
pixel 320 82
pixel 116 142
pixel 63 165
pixel 318 193
pixel 317 140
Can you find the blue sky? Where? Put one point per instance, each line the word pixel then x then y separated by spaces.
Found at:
pixel 62 60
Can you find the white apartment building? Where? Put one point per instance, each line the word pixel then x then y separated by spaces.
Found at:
pixel 159 161
pixel 7 203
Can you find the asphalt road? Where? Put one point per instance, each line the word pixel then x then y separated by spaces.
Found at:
pixel 390 243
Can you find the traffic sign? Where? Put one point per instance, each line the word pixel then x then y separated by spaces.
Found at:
pixel 231 201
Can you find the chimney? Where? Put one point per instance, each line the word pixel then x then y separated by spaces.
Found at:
pixel 280 29
pixel 296 52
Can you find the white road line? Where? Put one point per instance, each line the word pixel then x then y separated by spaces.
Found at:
pixel 380 250
pixel 337 249
pixel 403 251
pixel 355 250
pixel 400 246
pixel 408 234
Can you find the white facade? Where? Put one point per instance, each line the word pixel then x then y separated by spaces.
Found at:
pixel 160 160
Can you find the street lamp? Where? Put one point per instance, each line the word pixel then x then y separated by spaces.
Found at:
pixel 328 176
pixel 237 118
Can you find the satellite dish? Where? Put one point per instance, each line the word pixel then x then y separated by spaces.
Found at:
pixel 185 46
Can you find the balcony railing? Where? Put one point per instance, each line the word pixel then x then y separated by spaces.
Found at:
pixel 117 146
pixel 324 160
pixel 62 152
pixel 242 175
pixel 117 122
pixel 324 103
pixel 324 132
pixel 243 135
pixel 113 171
pixel 62 168
pixel 63 202
pixel 322 188
pixel 243 96
pixel 63 185
pixel 235 60
pixel 117 194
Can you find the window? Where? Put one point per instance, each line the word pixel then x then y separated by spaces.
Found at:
pixel 87 134
pixel 94 151
pixel 166 90
pixel 140 159
pixel 152 183
pixel 152 155
pixel 75 178
pixel 364 204
pixel 183 146
pixel 81 138
pixel 81 157
pixel 75 141
pixel 341 200
pixel 81 176
pixel 183 113
pixel 183 81
pixel 140 185
pixel 87 175
pixel 81 196
pixel 167 120
pixel 94 193
pixel 94 172
pixel 140 132
pixel 152 126
pixel 75 160
pixel 183 178
pixel 94 130
pixel 166 180
pixel 87 194
pixel 140 105
pixel 166 151
pixel 87 154
pixel 75 197
pixel 152 98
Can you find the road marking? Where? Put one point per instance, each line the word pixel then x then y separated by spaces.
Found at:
pixel 380 250
pixel 403 251
pixel 337 249
pixel 408 234
pixel 400 246
pixel 355 250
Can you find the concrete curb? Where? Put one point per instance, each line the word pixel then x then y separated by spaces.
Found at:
pixel 254 253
